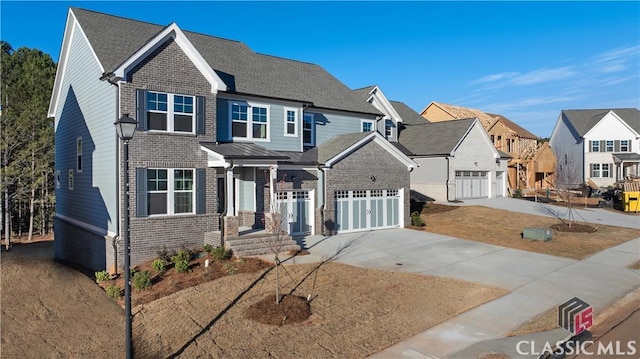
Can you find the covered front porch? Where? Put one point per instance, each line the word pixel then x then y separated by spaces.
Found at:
pixel 627 165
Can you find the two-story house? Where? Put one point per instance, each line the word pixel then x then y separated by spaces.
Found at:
pixel 532 164
pixel 601 145
pixel 225 136
pixel 456 159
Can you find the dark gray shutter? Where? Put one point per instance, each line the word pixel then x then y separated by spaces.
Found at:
pixel 603 146
pixel 141 110
pixel 141 192
pixel 201 192
pixel 200 117
pixel 611 169
pixel 616 146
pixel 591 170
pixel 590 146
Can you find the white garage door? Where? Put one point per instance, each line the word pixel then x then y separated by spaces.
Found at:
pixel 361 210
pixel 472 184
pixel 297 210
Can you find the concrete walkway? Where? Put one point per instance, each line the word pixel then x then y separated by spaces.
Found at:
pixel 538 282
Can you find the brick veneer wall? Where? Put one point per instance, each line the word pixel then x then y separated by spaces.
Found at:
pixel 354 173
pixel 168 69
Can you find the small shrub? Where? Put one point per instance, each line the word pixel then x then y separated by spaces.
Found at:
pixel 160 265
pixel 182 266
pixel 219 253
pixel 183 255
pixel 208 248
pixel 141 280
pixel 113 291
pixel 102 276
pixel 416 220
pixel 230 268
pixel 517 193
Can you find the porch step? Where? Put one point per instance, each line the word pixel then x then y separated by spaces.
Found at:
pixel 260 244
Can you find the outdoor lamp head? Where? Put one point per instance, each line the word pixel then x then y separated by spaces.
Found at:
pixel 126 126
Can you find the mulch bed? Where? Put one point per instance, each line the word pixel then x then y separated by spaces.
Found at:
pixel 574 228
pixel 291 309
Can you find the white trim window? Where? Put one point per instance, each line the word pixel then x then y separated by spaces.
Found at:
pixel 595 146
pixel 179 108
pixel 609 146
pixel 79 154
pixel 290 122
pixel 170 191
pixel 595 170
pixel 388 129
pixel 367 125
pixel 606 170
pixel 624 146
pixel 249 121
pixel 309 130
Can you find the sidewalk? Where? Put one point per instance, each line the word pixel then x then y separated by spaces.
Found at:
pixel 598 280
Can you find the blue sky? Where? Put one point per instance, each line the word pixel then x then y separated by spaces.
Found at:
pixel 524 60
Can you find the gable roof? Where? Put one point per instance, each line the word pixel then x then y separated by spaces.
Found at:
pixel 409 116
pixel 488 120
pixel 338 147
pixel 434 138
pixel 114 39
pixel 584 120
pixel 519 130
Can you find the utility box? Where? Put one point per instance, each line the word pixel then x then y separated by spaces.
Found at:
pixel 630 201
pixel 537 234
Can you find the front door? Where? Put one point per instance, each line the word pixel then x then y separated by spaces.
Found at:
pixel 296 208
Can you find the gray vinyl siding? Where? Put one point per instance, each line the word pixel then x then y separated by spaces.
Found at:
pixel 86 109
pixel 277 140
pixel 328 125
pixel 247 192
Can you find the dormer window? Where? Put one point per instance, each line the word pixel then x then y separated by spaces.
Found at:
pixel 308 130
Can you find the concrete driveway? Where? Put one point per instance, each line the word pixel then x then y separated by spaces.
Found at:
pixel 538 282
pixel 589 215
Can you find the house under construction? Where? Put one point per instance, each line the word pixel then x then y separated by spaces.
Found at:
pixel 532 164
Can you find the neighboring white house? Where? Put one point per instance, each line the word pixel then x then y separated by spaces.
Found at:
pixel 598 144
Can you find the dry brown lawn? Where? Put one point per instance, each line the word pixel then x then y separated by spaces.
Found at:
pixel 49 310
pixel 504 228
pixel 635 265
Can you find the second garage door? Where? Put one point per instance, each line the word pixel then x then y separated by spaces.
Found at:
pixel 472 184
pixel 360 210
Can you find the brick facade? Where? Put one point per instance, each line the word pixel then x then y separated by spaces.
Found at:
pixel 355 171
pixel 169 70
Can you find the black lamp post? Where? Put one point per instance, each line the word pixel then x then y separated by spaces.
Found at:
pixel 126 127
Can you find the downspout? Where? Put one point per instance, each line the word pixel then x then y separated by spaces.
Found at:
pixel 109 77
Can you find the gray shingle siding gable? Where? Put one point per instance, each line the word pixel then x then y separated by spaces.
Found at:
pixel 584 120
pixel 436 138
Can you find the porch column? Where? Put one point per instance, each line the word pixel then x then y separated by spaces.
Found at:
pixel 273 181
pixel 230 193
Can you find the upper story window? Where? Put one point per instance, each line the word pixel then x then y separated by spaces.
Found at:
pixel 290 122
pixel 609 146
pixel 624 146
pixel 388 129
pixel 170 113
pixel 79 154
pixel 249 121
pixel 308 130
pixel 367 125
pixel 595 146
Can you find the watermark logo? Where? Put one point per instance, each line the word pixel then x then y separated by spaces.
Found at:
pixel 575 315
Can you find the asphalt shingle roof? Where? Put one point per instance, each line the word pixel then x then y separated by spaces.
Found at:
pixel 336 144
pixel 243 150
pixel 409 116
pixel 584 120
pixel 114 39
pixel 434 138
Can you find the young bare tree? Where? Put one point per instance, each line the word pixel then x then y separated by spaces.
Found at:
pixel 568 183
pixel 275 225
